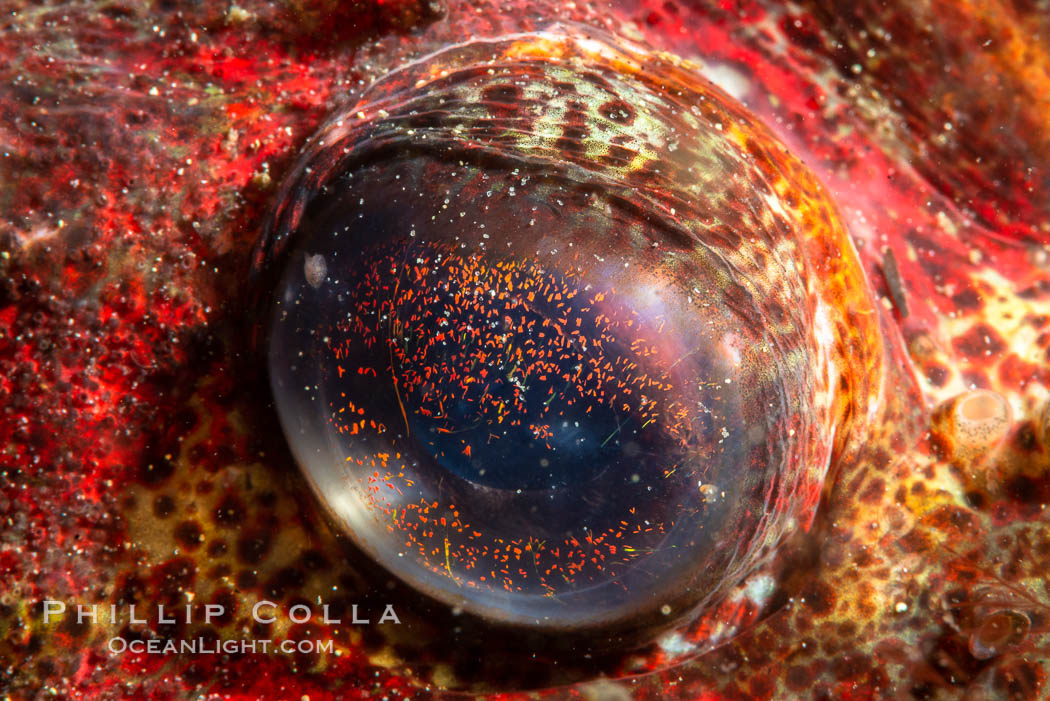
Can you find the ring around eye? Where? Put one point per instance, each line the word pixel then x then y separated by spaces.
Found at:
pixel 561 335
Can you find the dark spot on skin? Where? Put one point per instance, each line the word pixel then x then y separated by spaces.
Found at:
pixel 74 629
pixel 129 591
pixel 229 511
pixel 820 599
pixel 617 111
pixel 503 101
pixel 915 541
pixel 980 341
pixel 154 472
pixel 619 155
pixel 967 299
pixel 1038 621
pixel 801 31
pixel 976 499
pixel 135 118
pixel 34 644
pixel 952 518
pixel 872 494
pixel 936 375
pixel 850 666
pixel 975 379
pixel 571 141
pixel 220 457
pixel 226 599
pixel 761 687
pixel 173 577
pixel 504 93
pixel 1025 489
pixel 261 630
pixel 598 81
pixel 188 534
pixel 253 546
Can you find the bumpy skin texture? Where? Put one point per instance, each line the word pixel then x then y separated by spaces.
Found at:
pixel 140 148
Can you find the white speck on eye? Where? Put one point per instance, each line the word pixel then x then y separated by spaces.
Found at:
pixel 315 269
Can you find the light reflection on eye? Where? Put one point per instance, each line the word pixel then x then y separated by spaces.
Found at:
pixel 559 334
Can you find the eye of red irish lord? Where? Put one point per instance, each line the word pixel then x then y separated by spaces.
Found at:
pixel 558 332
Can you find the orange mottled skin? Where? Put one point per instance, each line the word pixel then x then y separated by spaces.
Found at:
pixel 140 151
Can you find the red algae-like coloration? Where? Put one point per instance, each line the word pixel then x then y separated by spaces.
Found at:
pixel 756 294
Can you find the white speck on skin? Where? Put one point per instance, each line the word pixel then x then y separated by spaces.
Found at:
pixel 675 645
pixel 759 589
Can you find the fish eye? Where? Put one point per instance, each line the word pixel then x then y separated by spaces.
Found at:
pixel 560 335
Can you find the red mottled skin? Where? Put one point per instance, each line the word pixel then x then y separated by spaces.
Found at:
pixel 139 146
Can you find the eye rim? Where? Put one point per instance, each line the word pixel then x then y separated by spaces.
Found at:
pixel 871 356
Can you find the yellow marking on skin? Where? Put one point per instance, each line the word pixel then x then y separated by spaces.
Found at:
pixel 535 47
pixel 444 677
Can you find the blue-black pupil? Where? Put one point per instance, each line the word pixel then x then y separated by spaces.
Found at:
pixel 560 436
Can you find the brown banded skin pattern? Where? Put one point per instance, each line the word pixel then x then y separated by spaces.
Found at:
pixel 141 148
